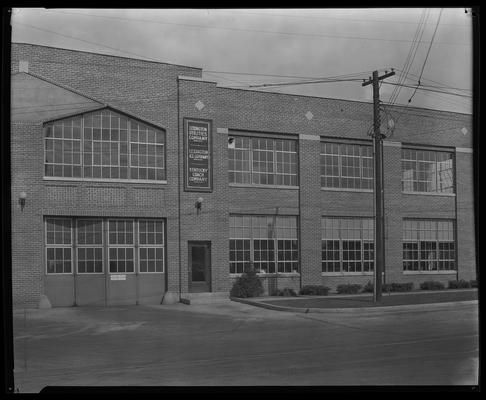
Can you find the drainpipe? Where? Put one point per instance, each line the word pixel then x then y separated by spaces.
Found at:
pixel 179 187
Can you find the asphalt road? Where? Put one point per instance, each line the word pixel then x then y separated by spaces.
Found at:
pixel 236 344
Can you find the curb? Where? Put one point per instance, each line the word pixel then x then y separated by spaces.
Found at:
pixel 372 310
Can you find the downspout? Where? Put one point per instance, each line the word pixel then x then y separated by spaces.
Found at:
pixel 179 187
pixel 454 227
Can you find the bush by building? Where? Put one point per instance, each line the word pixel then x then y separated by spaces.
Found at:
pixel 349 288
pixel 249 284
pixel 461 284
pixel 432 285
pixel 286 292
pixel 474 283
pixel 314 290
pixel 368 288
pixel 398 287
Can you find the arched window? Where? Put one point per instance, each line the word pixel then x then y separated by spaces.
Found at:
pixel 104 145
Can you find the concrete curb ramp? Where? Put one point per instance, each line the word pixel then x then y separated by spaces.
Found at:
pixel 372 310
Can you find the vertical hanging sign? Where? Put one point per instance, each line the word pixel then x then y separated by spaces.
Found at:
pixel 197 156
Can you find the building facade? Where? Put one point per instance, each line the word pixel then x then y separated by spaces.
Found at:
pixel 145 183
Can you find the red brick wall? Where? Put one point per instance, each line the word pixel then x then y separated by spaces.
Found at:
pixel 149 90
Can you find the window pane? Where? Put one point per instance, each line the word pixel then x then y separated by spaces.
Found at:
pixel 427 171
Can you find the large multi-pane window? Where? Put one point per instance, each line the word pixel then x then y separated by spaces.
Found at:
pixel 428 245
pixel 346 166
pixel 63 148
pixel 151 245
pixel 82 242
pixel 240 238
pixel 121 246
pixel 90 245
pixel 59 246
pixel 269 243
pixel 347 244
pixel 262 161
pixel 427 171
pixel 104 145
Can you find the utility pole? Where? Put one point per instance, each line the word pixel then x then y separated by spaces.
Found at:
pixel 378 186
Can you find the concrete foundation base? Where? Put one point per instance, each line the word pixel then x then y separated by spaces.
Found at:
pixel 206 298
pixel 44 302
pixel 170 298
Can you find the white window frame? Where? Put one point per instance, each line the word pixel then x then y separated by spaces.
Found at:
pixel 122 246
pixel 162 246
pixel 86 246
pixel 55 246
pixel 82 165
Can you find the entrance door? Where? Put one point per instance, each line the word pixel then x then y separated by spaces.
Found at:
pixel 199 266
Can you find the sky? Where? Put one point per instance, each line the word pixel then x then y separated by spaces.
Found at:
pixel 282 45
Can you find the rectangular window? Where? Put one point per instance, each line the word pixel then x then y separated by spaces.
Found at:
pixel 104 145
pixel 427 171
pixel 90 246
pixel 121 246
pixel 428 245
pixel 81 241
pixel 263 243
pixel 262 161
pixel 347 244
pixel 346 166
pixel 58 246
pixel 239 160
pixel 240 238
pixel 267 242
pixel 151 245
pixel 63 148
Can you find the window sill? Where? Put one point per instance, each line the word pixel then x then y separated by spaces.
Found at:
pixel 347 190
pixel 429 194
pixel 103 180
pixel 371 273
pixel 269 275
pixel 263 186
pixel 441 272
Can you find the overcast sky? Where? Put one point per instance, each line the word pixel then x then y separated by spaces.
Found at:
pixel 295 43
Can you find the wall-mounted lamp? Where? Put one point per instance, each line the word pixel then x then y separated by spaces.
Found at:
pixel 198 204
pixel 22 197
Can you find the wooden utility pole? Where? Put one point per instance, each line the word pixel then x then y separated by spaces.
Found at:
pixel 378 185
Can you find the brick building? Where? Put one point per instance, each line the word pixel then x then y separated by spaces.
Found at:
pixel 113 154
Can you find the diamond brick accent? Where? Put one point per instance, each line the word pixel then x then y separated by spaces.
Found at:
pixel 309 115
pixel 199 105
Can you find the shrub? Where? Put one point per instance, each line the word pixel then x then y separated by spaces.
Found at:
pixel 349 288
pixel 474 283
pixel 287 292
pixel 432 285
pixel 397 287
pixel 459 284
pixel 248 284
pixel 368 288
pixel 314 290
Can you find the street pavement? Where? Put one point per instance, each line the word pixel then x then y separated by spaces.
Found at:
pixel 228 343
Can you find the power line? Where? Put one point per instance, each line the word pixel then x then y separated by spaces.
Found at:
pixel 52 105
pixel 303 83
pixel 411 55
pixel 427 55
pixel 427 89
pixel 430 80
pixel 335 18
pixel 251 30
pixel 280 76
pixel 86 41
